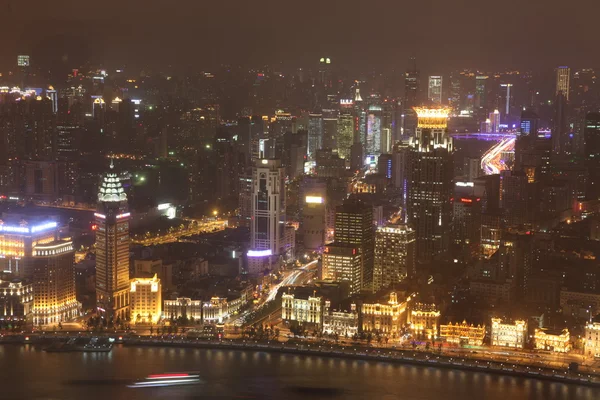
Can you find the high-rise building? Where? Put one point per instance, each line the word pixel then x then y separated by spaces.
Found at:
pixel 330 129
pixel 354 226
pixel 429 207
pixel 19 237
pixel 434 89
pixel 563 77
pixel 481 96
pixel 372 141
pixel 592 152
pixel 561 143
pixel 315 133
pixel 529 123
pixel 394 255
pixel 345 134
pixel 314 213
pixel 267 229
pixel 146 299
pixel 112 248
pixel 343 263
pixel 54 297
pixel 411 85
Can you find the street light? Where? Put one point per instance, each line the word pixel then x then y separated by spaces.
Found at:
pixel 215 213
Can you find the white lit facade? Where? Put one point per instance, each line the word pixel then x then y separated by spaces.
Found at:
pixel 563 78
pixel 509 335
pixel 394 255
pixel 340 322
pixel 303 309
pixel 434 89
pixel 112 249
pixel 343 263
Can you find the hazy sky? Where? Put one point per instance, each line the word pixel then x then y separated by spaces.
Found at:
pixel 443 34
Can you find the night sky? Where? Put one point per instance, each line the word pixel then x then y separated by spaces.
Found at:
pixel 443 34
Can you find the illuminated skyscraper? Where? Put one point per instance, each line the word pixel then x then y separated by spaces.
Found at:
pixel 481 97
pixel 411 85
pixel 112 248
pixel 345 133
pixel 592 152
pixel 434 91
pixel 54 298
pixel 373 132
pixel 563 77
pixel 267 229
pixel 315 133
pixel 429 207
pixel 394 255
pixel 354 227
pixel 330 128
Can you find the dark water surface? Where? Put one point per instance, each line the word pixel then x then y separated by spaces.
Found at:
pixel 26 372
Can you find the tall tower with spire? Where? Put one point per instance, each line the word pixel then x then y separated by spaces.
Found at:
pixel 112 248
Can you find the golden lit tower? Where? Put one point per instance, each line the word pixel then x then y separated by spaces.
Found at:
pixel 429 210
pixel 54 298
pixel 112 248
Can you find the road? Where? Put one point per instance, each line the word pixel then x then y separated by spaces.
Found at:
pixel 297 277
pixel 491 162
pixel 202 227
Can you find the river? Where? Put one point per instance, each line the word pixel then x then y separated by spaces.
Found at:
pixel 27 372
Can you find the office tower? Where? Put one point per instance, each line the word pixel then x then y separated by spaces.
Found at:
pixel 411 85
pixel 356 156
pixel 506 101
pixel 328 164
pixel 315 133
pixel 385 166
pixel 592 153
pixel 372 142
pixel 345 133
pixel 529 123
pixel 267 227
pixel 112 248
pixel 434 90
pixel 394 255
pixel 146 299
pixel 466 222
pixel 585 87
pixel 560 127
pixel 314 213
pixel 53 96
pixel 257 134
pixel 41 180
pixel 431 173
pixel 563 76
pixel 481 96
pixel 293 153
pixel 495 121
pixel 343 263
pixel 517 198
pixel 54 297
pixel 19 236
pixel 330 128
pixel 472 168
pixel 245 199
pixel 354 226
pixel 324 74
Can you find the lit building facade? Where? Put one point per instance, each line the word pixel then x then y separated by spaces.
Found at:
pixel 340 322
pixel 424 320
pixel 215 311
pixel 509 335
pixel 558 342
pixel 267 229
pixel 592 339
pixel 16 299
pixel 429 207
pixel 386 318
pixel 112 249
pixel 343 263
pixel 345 134
pixel 54 297
pixel 146 300
pixel 18 239
pixel 434 90
pixel 314 213
pixel 395 246
pixel 563 78
pixel 183 307
pixel 301 308
pixel 463 333
pixel 354 226
pixel 315 134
